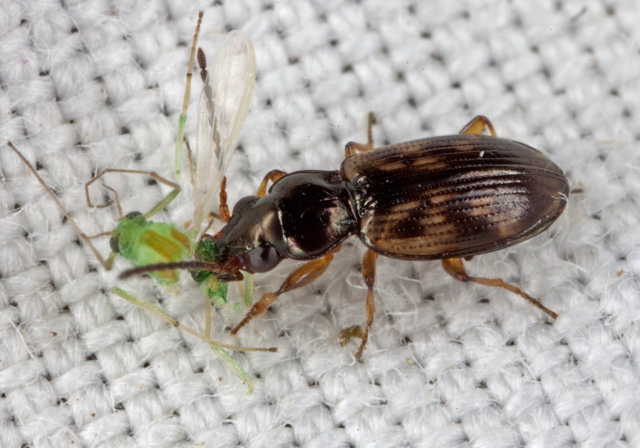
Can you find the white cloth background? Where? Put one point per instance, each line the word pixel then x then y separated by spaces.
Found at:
pixel 99 84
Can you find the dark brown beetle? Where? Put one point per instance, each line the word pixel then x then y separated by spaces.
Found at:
pixel 441 198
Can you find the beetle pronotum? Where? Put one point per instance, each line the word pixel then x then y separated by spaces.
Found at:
pixel 444 198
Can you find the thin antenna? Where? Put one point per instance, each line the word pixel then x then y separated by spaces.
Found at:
pixel 80 233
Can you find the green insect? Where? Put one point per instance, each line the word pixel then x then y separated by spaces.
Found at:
pixel 224 105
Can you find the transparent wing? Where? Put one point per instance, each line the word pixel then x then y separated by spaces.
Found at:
pixel 224 104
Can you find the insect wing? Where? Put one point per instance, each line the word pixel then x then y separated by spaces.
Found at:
pixel 224 104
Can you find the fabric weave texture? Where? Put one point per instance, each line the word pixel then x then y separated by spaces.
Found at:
pixel 89 85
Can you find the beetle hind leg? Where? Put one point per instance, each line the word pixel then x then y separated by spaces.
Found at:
pixel 356 331
pixel 455 268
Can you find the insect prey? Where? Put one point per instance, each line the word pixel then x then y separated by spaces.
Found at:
pixel 224 103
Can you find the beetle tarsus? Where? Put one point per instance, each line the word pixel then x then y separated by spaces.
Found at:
pixel 369 274
pixel 257 309
pixel 477 125
pixel 354 331
pixel 455 268
pixel 352 148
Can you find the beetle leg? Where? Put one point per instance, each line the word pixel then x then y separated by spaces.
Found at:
pixel 273 176
pixel 369 274
pixel 302 276
pixel 477 125
pixel 455 268
pixel 352 147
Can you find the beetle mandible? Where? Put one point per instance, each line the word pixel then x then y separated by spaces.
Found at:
pixel 440 198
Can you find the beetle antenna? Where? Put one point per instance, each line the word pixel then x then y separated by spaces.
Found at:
pixel 215 268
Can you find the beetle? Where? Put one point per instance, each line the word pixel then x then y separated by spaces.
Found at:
pixel 440 198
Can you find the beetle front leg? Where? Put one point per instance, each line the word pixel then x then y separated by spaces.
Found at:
pixel 225 215
pixel 455 268
pixel 477 125
pixel 273 176
pixel 352 147
pixel 302 276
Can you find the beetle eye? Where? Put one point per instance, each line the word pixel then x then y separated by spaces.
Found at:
pixel 262 258
pixel 242 203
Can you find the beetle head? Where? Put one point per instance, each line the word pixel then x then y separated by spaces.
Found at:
pixel 252 238
pixel 251 241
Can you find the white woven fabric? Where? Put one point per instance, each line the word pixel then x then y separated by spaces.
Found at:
pixel 99 84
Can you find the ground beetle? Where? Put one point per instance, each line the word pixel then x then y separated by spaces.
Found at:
pixel 443 198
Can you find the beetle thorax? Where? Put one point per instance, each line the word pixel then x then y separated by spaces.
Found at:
pixel 313 211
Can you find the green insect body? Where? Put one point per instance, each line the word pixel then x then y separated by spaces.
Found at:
pixel 144 242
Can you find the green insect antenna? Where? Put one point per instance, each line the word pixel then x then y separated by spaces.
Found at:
pixel 66 214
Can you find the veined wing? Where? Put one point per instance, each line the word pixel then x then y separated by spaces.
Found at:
pixel 224 104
